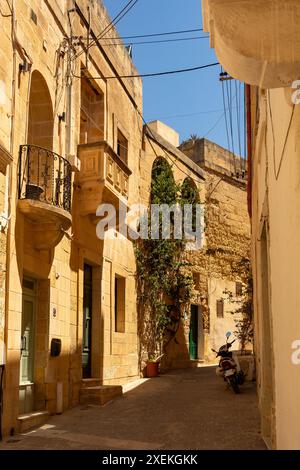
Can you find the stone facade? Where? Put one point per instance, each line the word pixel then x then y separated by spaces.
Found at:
pixel 273 121
pixel 227 237
pixel 71 139
pixel 226 234
pixel 60 273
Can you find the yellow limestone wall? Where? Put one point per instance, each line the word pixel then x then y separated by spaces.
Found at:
pixel 226 237
pixel 59 271
pixel 276 204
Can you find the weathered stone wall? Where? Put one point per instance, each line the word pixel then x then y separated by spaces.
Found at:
pixel 2 269
pixel 226 237
pixel 41 29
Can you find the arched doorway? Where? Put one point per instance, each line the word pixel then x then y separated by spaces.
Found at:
pixel 40 118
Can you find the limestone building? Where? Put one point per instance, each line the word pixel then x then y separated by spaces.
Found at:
pixel 71 140
pixel 74 142
pixel 268 63
pixel 212 170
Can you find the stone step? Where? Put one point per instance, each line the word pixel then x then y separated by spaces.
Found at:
pixel 90 383
pixel 99 395
pixel 32 420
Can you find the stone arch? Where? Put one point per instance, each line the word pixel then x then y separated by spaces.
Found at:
pixel 189 191
pixel 40 119
pixel 163 189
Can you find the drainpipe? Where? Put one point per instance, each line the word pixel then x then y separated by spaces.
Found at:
pixel 249 149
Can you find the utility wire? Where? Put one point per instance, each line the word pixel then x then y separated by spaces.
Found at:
pixel 157 74
pixel 112 22
pixel 128 7
pixel 214 126
pixel 237 95
pixel 211 111
pixel 167 154
pixel 111 25
pixel 139 36
pixel 154 42
pixel 225 114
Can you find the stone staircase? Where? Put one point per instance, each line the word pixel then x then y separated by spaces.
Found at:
pixel 93 393
pixel 31 420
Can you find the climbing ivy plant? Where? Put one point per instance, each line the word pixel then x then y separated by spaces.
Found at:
pixel 164 283
pixel 243 305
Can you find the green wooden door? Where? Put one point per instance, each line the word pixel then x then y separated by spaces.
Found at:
pixel 87 321
pixel 194 333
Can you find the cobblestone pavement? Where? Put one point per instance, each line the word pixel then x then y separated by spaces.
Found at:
pixel 186 409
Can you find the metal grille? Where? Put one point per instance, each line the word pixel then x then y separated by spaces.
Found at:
pixel 44 176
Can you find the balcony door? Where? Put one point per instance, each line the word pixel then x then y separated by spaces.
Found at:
pixel 87 322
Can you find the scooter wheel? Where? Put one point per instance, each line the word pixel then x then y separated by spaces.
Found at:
pixel 234 385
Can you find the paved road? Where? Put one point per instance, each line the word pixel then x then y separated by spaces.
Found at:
pixel 187 409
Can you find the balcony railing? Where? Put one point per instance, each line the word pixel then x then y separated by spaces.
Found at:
pixel 44 176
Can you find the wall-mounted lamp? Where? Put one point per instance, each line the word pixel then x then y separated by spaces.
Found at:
pixel 62 117
pixel 25 66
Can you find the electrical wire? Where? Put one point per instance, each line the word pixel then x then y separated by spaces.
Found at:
pixel 214 126
pixel 154 42
pixel 188 114
pixel 128 7
pixel 237 95
pixel 225 114
pixel 164 150
pixel 139 36
pixel 277 172
pixel 157 74
pixel 111 25
pixel 229 99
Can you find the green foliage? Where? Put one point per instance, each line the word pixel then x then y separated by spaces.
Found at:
pixel 164 286
pixel 243 309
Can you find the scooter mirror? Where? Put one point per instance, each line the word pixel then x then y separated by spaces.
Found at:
pixel 228 334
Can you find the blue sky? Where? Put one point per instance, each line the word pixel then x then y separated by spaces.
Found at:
pixel 192 102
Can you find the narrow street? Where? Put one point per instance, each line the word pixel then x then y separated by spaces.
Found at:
pixel 186 409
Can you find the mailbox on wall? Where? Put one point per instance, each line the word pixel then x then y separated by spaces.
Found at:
pixel 55 347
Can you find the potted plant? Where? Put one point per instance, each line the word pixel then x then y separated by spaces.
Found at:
pixel 152 369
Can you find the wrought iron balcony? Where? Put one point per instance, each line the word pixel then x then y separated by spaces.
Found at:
pixel 44 176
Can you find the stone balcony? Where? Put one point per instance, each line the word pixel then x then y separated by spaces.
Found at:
pixel 44 188
pixel 103 178
pixel 256 41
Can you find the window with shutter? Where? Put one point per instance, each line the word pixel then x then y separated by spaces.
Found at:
pixel 220 308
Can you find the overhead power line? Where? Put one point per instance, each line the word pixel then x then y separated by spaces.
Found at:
pixel 139 36
pixel 174 116
pixel 127 9
pixel 154 42
pixel 116 18
pixel 156 74
pixel 111 25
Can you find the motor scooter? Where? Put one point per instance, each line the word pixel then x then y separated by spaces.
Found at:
pixel 229 367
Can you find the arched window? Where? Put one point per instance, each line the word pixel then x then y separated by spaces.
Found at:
pixel 163 188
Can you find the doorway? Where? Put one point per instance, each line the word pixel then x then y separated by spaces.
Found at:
pixel 26 390
pixel 193 338
pixel 87 322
